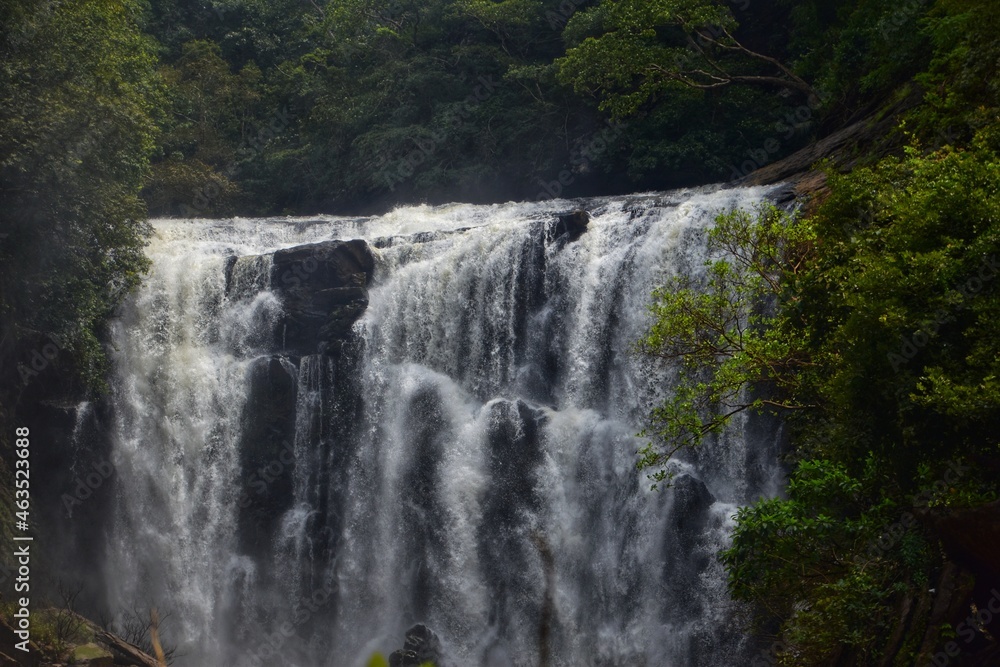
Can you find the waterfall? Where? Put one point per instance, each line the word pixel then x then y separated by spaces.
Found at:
pixel 304 504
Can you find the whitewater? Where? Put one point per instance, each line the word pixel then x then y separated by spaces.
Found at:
pixel 464 458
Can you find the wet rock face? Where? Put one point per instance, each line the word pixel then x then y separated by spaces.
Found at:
pixel 421 646
pixel 686 557
pixel 570 226
pixel 266 454
pixel 324 290
pixel 514 441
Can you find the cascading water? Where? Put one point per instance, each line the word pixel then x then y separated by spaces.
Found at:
pixel 306 506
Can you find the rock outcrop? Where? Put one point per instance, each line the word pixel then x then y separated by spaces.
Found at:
pixel 323 289
pixel 685 530
pixel 570 226
pixel 420 646
pixel 266 455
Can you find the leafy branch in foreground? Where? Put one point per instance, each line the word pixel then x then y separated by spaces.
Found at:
pixel 846 567
pixel 721 333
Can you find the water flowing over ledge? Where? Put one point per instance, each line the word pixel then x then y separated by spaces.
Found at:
pixel 304 499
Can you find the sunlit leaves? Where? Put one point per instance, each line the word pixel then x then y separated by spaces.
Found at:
pixel 76 131
pixel 720 333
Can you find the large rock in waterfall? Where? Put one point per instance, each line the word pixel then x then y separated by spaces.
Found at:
pixel 323 288
pixel 686 553
pixel 267 456
pixel 421 646
pixel 568 227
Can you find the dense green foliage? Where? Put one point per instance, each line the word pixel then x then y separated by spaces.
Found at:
pixel 364 104
pixel 76 131
pixel 305 106
pixel 720 329
pixel 898 314
pixel 78 100
pixel 872 325
pixel 643 58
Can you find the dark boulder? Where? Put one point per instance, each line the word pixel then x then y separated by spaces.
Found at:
pixel 514 440
pixel 323 288
pixel 266 455
pixel 971 535
pixel 420 646
pixel 568 227
pixel 686 555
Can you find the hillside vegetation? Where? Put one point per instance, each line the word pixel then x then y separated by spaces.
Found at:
pixel 869 322
pixel 874 313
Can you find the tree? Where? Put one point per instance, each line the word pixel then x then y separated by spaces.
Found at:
pixel 724 333
pixel 643 49
pixel 875 320
pixel 78 94
pixel 214 119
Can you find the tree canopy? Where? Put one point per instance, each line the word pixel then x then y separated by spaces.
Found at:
pixel 77 126
pixel 646 50
pixel 364 104
pixel 870 325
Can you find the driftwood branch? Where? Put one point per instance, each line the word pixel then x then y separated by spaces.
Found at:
pixel 130 651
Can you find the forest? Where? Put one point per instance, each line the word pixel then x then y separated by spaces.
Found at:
pixel 868 317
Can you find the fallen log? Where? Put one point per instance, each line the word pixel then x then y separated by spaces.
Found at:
pixel 127 650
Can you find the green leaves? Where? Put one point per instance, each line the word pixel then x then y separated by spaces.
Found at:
pixel 874 323
pixel 904 297
pixel 895 310
pixel 814 560
pixel 650 49
pixel 79 94
pixel 721 336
